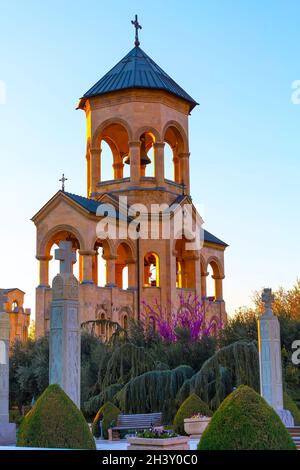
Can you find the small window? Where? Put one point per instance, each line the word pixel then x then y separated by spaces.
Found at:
pixel 15 306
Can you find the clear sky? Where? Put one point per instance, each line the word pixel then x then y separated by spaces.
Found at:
pixel 238 59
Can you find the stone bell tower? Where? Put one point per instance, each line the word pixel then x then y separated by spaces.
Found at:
pixel 137 110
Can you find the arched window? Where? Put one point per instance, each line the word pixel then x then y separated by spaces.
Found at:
pixel 124 266
pixel 185 265
pixel 102 326
pixel 15 306
pixel 151 270
pixel 210 284
pixel 175 140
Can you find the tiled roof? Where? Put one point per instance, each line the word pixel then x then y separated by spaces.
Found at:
pixel 137 70
pixel 91 205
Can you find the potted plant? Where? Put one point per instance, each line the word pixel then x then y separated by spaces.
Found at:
pixel 158 438
pixel 196 425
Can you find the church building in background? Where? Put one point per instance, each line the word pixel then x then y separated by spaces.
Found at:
pixel 137 116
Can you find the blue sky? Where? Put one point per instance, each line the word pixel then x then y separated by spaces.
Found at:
pixel 238 59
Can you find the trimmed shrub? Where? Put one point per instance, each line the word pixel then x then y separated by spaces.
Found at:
pixel 55 422
pixel 290 405
pixel 245 421
pixel 108 413
pixel 191 406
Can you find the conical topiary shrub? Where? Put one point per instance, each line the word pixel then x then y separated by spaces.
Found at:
pixel 191 406
pixel 245 421
pixel 55 422
pixel 108 414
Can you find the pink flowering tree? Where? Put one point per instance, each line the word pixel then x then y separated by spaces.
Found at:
pixel 189 317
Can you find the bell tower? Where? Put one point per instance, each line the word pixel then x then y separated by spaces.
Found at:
pixel 136 108
pixel 140 114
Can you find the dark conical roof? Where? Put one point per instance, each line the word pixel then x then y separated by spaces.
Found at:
pixel 137 70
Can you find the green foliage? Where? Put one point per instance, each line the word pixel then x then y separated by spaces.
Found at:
pixel 245 421
pixel 108 414
pixel 96 402
pixel 191 406
pixel 290 405
pixel 55 422
pixel 229 367
pixel 150 434
pixel 154 391
pixel 127 361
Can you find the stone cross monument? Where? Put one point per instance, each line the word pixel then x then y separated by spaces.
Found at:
pixel 7 429
pixel 270 367
pixel 64 360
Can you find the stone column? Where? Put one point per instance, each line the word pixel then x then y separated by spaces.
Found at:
pixel 7 430
pixel 135 161
pixel 185 170
pixel 64 359
pixel 87 266
pixel 110 271
pixel 218 287
pixel 118 170
pixel 203 284
pixel 95 168
pixel 44 270
pixel 159 163
pixel 270 359
pixel 131 263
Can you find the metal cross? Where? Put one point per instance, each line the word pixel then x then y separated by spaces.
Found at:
pixel 137 27
pixel 3 300
pixel 66 256
pixel 63 180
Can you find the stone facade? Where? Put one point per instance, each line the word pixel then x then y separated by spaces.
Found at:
pixel 19 316
pixel 132 122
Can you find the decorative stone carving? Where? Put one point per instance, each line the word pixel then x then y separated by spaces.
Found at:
pixel 64 361
pixel 270 359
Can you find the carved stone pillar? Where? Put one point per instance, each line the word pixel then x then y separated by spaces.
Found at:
pixel 135 161
pixel 131 263
pixel 159 163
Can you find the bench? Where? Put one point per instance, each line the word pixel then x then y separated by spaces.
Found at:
pixel 137 421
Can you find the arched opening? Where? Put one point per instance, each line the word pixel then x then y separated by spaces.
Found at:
pixel 147 141
pixel 100 262
pixel 124 266
pixel 214 281
pixel 176 145
pixel 151 270
pixel 169 164
pixel 210 284
pixel 107 157
pixel 185 265
pixel 15 306
pixel 53 244
pixel 125 322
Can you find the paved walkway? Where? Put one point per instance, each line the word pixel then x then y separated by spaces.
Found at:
pixel 101 445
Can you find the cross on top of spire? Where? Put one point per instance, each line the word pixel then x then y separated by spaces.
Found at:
pixel 63 180
pixel 3 300
pixel 137 26
pixel 66 256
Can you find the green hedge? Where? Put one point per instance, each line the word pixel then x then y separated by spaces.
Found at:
pixel 55 422
pixel 191 406
pixel 290 405
pixel 108 413
pixel 244 421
